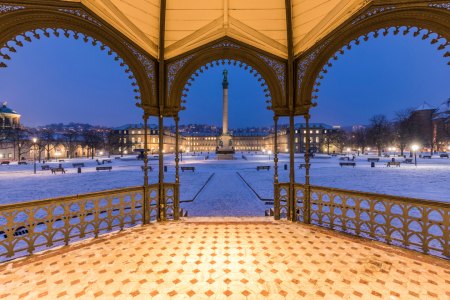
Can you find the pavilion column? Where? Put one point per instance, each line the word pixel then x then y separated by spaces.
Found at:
pixel 162 197
pixel 307 192
pixel 275 152
pixel 276 187
pixel 176 200
pixel 161 100
pixel 292 169
pixel 177 177
pixel 145 208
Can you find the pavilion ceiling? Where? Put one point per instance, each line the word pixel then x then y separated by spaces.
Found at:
pixel 192 23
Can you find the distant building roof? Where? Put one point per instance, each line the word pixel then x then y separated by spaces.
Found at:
pixel 312 125
pixel 444 107
pixel 6 110
pixel 251 134
pixel 200 134
pixel 424 106
pixel 136 126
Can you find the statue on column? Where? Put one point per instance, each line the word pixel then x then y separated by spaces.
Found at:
pixel 230 143
pixel 225 74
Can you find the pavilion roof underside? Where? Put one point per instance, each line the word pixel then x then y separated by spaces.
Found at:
pixel 193 23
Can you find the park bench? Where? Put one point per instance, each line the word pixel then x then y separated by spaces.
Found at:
pixel 444 155
pixel 98 163
pixel 303 166
pixel 148 168
pixel 244 157
pixel 333 154
pixel 393 163
pixel 188 169
pixel 399 155
pixel 61 160
pixel 22 163
pixel 263 168
pixel 107 160
pixel 54 170
pixel 78 165
pixel 103 168
pixel 344 158
pixel 408 161
pixel 347 164
pixel 117 157
pixel 427 156
pixel 373 159
pixel 5 162
pixel 386 155
pixel 45 167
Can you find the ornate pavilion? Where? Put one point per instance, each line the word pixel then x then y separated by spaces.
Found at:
pixel 132 243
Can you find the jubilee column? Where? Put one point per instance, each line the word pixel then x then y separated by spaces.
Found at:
pixel 225 102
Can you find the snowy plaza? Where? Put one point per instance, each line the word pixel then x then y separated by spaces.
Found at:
pixel 226 194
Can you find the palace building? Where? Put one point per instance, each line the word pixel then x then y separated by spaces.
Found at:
pixel 8 117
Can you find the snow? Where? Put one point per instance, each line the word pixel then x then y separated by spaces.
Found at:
pixel 226 194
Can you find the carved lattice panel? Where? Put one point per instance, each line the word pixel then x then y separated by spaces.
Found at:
pixel 282 197
pixel 300 202
pixel 417 224
pixel 26 227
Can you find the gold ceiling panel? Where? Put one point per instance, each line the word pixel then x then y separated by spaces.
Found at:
pixel 192 23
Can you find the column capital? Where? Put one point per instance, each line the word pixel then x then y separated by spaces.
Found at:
pixel 225 85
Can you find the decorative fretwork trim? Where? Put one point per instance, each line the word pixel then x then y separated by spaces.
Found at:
pixel 445 6
pixel 81 14
pixel 303 65
pixel 279 69
pixel 8 8
pixel 373 12
pixel 225 44
pixel 172 70
pixel 148 65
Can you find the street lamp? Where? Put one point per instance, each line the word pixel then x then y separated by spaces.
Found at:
pixel 270 152
pixel 348 151
pixel 415 147
pixel 359 149
pixel 34 141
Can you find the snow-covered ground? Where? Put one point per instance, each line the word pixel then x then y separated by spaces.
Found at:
pixel 226 191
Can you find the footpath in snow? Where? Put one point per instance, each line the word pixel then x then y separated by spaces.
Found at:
pixel 226 194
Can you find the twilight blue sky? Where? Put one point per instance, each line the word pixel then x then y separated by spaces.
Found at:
pixel 62 80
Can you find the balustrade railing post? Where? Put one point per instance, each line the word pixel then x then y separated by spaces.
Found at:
pixel 292 210
pixel 162 198
pixel 307 211
pixel 176 202
pixel 276 203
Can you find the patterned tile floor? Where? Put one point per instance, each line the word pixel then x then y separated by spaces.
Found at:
pixel 224 259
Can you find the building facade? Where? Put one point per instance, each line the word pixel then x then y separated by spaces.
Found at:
pixel 8 117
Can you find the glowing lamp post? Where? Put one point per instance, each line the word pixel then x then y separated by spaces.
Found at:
pixel 415 147
pixel 359 149
pixel 270 152
pixel 34 141
pixel 348 151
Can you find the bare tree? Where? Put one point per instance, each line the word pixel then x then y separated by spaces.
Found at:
pixel 339 139
pixel 21 141
pixel 403 126
pixel 380 131
pixel 70 140
pixel 92 140
pixel 47 140
pixel 109 140
pixel 361 139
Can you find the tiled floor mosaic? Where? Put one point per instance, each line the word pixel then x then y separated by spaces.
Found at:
pixel 218 260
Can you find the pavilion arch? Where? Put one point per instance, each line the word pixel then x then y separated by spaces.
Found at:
pixel 20 24
pixel 270 71
pixel 430 22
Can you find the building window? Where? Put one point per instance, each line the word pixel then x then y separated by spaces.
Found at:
pixel 310 131
pixel 153 140
pixel 120 131
pixel 304 139
pixel 139 132
pixel 132 132
pixel 304 131
pixel 139 140
pixel 9 155
pixel 325 131
pixel 317 131
pixel 296 140
pixel 132 148
pixel 124 140
pixel 317 139
pixel 133 140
